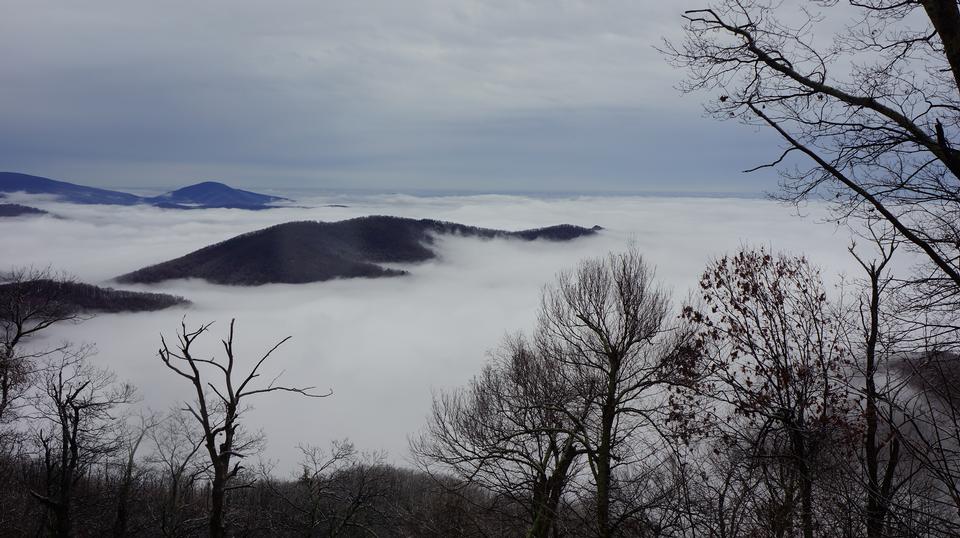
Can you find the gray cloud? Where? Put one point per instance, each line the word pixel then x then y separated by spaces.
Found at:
pixel 482 95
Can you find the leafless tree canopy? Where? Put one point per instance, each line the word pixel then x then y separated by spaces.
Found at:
pixel 220 394
pixel 574 411
pixel 76 428
pixel 868 116
pixel 31 300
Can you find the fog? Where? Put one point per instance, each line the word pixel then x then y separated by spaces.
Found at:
pixel 383 345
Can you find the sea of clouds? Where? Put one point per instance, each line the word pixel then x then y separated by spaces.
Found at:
pixel 383 345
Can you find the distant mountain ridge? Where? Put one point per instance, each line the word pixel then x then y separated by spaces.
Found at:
pixel 215 194
pixel 207 194
pixel 78 194
pixel 311 251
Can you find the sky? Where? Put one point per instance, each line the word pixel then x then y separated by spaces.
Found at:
pixel 453 95
pixel 384 346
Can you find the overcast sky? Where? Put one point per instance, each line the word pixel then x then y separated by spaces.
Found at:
pixel 375 94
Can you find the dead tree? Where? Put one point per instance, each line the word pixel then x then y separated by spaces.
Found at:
pixel 75 405
pixel 873 339
pixel 220 394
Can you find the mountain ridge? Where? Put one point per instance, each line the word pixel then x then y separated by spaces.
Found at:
pixel 214 194
pixel 81 297
pixel 312 251
pixel 205 194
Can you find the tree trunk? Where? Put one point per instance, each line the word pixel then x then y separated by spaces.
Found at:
pixel 217 501
pixel 604 456
pixel 120 524
pixel 550 498
pixel 806 495
pixel 61 519
pixel 945 17
pixel 874 514
pixel 806 482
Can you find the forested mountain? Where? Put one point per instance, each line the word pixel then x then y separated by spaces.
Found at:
pixel 67 192
pixel 214 194
pixel 310 251
pixel 208 194
pixel 79 297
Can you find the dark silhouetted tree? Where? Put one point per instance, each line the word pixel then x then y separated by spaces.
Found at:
pixel 220 396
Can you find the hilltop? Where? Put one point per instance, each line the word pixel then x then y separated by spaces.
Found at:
pixel 309 251
pixel 207 194
pixel 214 194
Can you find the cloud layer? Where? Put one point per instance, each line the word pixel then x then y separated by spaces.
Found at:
pixel 483 95
pixel 383 345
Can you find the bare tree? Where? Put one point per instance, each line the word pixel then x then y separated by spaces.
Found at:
pixel 509 431
pixel 340 491
pixel 220 396
pixel 175 444
pixel 77 428
pixel 588 385
pixel 31 300
pixel 873 115
pixel 607 324
pixel 869 121
pixel 873 339
pixel 131 438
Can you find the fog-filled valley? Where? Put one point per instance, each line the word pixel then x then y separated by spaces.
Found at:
pixel 482 269
pixel 383 345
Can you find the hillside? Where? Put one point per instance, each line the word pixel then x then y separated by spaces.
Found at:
pixel 298 252
pixel 208 194
pixel 212 194
pixel 67 192
pixel 17 210
pixel 89 298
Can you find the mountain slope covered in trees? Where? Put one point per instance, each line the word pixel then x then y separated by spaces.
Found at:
pixel 79 297
pixel 68 192
pixel 214 194
pixel 297 252
pixel 207 194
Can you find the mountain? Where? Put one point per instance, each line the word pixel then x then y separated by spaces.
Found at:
pixel 297 252
pixel 211 194
pixel 208 194
pixel 17 210
pixel 80 297
pixel 67 192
